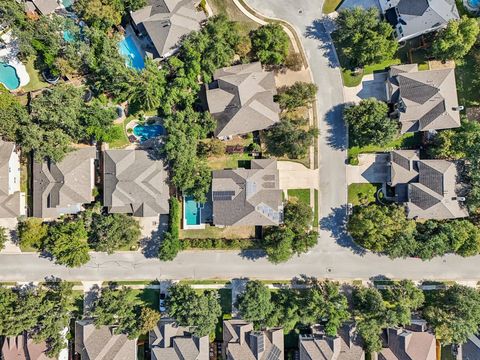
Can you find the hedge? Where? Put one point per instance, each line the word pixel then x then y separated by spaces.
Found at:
pixel 222 244
pixel 170 245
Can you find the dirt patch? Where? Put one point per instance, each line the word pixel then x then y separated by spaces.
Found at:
pixel 212 232
pixel 438 65
pixel 289 77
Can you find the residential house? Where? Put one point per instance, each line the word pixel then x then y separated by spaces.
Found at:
pixel 12 200
pixel 242 342
pixel 240 98
pixel 22 347
pixel 423 100
pixel 404 344
pixel 318 346
pixel 249 197
pixel 95 343
pixel 412 18
pixel 134 183
pixel 170 341
pixel 43 7
pixel 428 187
pixel 469 350
pixel 165 23
pixel 63 187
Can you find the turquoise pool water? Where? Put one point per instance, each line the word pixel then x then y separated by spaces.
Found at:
pixel 68 36
pixel 474 3
pixel 8 76
pixel 67 3
pixel 193 211
pixel 129 50
pixel 145 132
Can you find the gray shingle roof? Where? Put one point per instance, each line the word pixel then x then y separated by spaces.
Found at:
pixel 432 185
pixel 62 188
pixel 248 196
pixel 19 348
pixel 11 199
pixel 241 99
pixel 46 7
pixel 170 341
pixel 166 22
pixel 409 345
pixel 102 343
pixel 416 17
pixel 134 183
pixel 426 100
pixel 317 346
pixel 241 342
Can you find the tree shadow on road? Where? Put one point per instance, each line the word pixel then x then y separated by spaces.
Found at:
pixel 336 224
pixel 151 244
pixel 253 254
pixel 337 133
pixel 320 30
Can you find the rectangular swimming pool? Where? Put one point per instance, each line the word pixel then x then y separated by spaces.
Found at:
pixel 129 50
pixel 193 211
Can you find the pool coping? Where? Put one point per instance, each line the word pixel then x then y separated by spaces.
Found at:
pixel 184 219
pixel 133 123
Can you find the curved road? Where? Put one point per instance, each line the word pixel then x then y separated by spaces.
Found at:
pixel 335 256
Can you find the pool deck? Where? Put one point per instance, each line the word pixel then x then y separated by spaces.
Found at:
pixel 9 56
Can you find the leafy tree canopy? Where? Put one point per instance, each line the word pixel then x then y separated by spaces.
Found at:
pixel 454 314
pixel 287 137
pixel 67 242
pixel 112 232
pixel 368 123
pixel 295 96
pixel 188 308
pixel 270 44
pixel 255 303
pixel 363 38
pixel 12 114
pixel 456 40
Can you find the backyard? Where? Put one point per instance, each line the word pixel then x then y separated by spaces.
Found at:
pixel 230 154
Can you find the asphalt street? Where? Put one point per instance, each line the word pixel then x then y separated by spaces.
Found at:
pixel 334 257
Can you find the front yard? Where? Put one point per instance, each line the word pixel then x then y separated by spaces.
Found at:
pixel 405 141
pixel 213 232
pixel 362 194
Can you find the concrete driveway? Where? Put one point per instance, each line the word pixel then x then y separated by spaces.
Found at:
pixel 372 85
pixel 296 176
pixel 372 168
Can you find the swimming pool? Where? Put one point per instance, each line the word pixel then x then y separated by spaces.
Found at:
pixel 129 50
pixel 8 76
pixel 68 36
pixel 145 132
pixel 193 211
pixel 475 4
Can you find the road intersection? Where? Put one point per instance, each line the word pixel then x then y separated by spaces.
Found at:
pixel 334 257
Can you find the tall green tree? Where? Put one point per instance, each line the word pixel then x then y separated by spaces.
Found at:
pixel 149 87
pixel 454 314
pixel 112 232
pixel 324 302
pixel 12 115
pixel 32 232
pixel 405 297
pixel 369 123
pixel 375 227
pixel 285 311
pixel 270 44
pixel 118 307
pixel 67 242
pixel 3 237
pixel 288 137
pixel 363 38
pixel 170 245
pixel 456 40
pixel 278 244
pixel 188 308
pixel 102 14
pixel 255 303
pixel 297 95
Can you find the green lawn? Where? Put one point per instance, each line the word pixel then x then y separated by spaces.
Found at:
pixel 123 141
pixel 232 161
pixel 406 141
pixel 468 85
pixel 446 353
pixel 225 298
pixel 137 282
pixel 315 213
pixel 302 195
pixel 330 6
pixel 352 79
pixel 362 194
pixel 35 78
pixel 204 282
pixel 149 297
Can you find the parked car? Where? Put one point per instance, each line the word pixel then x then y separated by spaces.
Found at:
pixel 162 306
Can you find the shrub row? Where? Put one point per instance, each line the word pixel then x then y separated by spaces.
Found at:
pixel 222 244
